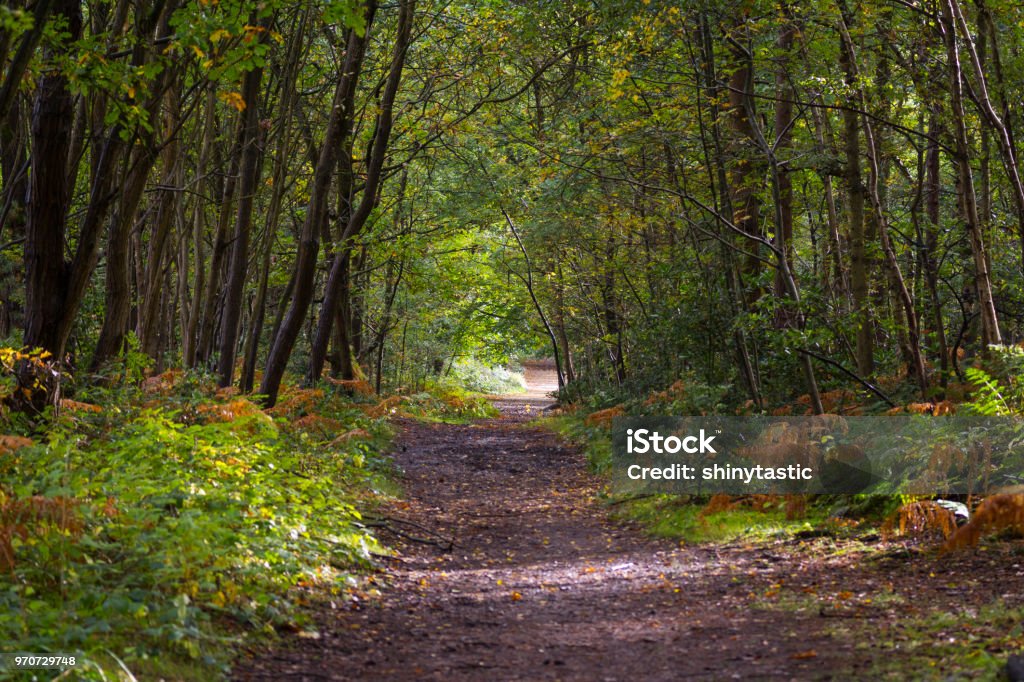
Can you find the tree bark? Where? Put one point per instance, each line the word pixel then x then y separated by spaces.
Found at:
pixel 47 275
pixel 309 245
pixel 376 156
pixel 859 289
pixel 251 164
pixel 969 200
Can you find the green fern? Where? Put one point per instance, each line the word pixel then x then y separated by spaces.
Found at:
pixel 987 400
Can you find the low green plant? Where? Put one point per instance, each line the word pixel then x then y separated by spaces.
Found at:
pixel 595 441
pixel 160 537
pixel 678 517
pixel 447 403
pixel 961 642
pixel 998 389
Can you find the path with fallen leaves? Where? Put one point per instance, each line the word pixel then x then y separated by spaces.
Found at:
pixel 509 568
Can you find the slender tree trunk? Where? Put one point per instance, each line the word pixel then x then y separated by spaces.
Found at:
pixel 344 363
pixel 215 274
pixel 969 201
pixel 391 285
pixel 375 164
pixel 931 201
pixel 610 312
pixel 251 164
pixel 746 205
pixel 563 337
pixel 731 275
pixel 783 141
pixel 118 291
pixel 874 195
pixel 283 156
pixel 316 213
pixel 150 296
pixel 528 281
pixel 858 252
pixel 957 24
pixel 190 340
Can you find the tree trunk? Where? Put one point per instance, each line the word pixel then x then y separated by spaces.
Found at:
pixel 375 164
pixel 903 294
pixel 858 254
pixel 46 272
pixel 215 274
pixel 316 213
pixel 969 201
pixel 250 141
pixel 931 201
pixel 744 200
pixel 150 294
pixel 190 334
pixel 783 141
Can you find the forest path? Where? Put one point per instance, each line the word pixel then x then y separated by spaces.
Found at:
pixel 539 583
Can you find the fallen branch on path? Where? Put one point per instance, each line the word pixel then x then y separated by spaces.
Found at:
pixel 386 522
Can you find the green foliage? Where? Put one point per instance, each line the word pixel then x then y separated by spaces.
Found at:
pixel 475 376
pixel 14 22
pixel 683 518
pixel 186 524
pixel 957 642
pixel 998 384
pixel 448 404
pixel 595 441
pixel 351 13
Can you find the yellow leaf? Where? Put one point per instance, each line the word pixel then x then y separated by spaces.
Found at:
pixel 233 99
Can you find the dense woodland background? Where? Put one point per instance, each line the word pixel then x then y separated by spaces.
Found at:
pixel 238 238
pixel 775 198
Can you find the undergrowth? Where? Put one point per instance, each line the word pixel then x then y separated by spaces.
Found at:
pixel 695 521
pixel 153 528
pixel 690 519
pixel 445 403
pixel 994 390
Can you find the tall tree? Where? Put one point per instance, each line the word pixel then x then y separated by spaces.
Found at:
pixel 339 127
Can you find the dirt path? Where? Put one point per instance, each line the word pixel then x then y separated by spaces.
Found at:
pixel 539 583
pixel 524 577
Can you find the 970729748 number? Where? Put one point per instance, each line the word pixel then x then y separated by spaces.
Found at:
pixel 36 661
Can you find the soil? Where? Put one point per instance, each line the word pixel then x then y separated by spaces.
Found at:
pixel 509 567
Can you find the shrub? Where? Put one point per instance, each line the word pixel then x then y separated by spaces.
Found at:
pixel 153 532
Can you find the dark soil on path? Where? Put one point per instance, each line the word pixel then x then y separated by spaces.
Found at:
pixel 525 577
